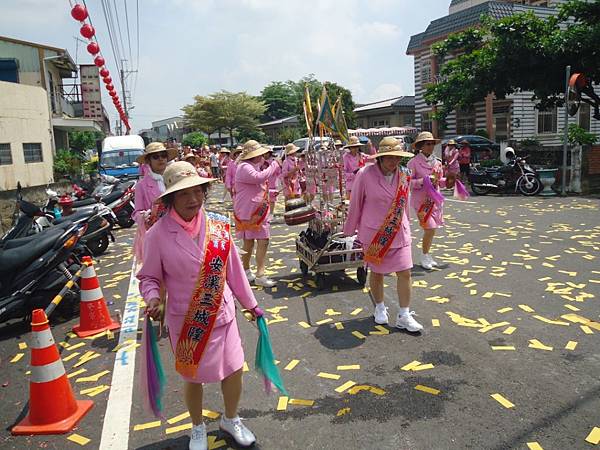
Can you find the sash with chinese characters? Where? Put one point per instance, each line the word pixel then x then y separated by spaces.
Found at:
pixel 156 212
pixel 206 298
pixel 391 225
pixel 432 197
pixel 257 217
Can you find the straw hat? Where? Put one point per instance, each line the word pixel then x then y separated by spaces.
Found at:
pixel 338 143
pixel 353 142
pixel 451 142
pixel 192 156
pixel 182 175
pixel 390 146
pixel 224 150
pixel 252 149
pixel 425 136
pixel 157 147
pixel 290 149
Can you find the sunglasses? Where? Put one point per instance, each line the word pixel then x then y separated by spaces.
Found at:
pixel 163 155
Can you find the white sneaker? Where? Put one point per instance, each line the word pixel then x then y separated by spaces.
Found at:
pixel 251 277
pixel 238 431
pixel 199 440
pixel 264 282
pixel 380 314
pixel 407 322
pixel 426 262
pixel 433 262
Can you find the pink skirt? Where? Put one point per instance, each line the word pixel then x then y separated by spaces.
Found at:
pixel 436 220
pixel 264 232
pixel 395 260
pixel 223 355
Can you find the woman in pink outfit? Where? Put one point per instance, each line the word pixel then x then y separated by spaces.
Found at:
pixel 451 166
pixel 147 190
pixel 230 174
pixel 191 252
pixel 251 208
pixel 379 212
pixel 272 182
pixel 426 165
pixel 224 161
pixel 353 162
pixel 290 173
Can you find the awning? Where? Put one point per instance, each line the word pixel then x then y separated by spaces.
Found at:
pixel 75 124
pixel 391 131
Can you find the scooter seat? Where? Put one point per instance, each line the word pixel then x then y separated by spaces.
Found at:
pixel 15 257
pixel 112 197
pixel 84 213
pixel 84 202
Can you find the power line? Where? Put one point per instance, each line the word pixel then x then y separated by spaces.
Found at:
pixel 137 14
pixel 115 55
pixel 128 35
pixel 116 12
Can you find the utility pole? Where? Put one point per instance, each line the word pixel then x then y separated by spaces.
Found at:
pixel 124 75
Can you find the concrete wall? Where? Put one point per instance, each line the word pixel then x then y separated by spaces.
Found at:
pixel 24 119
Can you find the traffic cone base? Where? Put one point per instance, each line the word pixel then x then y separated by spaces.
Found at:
pixel 94 316
pixel 60 427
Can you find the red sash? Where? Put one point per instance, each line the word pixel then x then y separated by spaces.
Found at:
pixel 156 212
pixel 391 225
pixel 425 211
pixel 257 217
pixel 206 298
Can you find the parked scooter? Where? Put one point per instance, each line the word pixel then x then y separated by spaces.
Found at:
pixel 34 268
pixel 516 176
pixel 25 220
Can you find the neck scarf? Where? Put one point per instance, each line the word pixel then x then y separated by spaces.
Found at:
pixel 192 227
pixel 158 178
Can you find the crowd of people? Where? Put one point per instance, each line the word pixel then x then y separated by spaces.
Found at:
pixel 192 272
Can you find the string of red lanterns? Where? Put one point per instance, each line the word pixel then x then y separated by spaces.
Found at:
pixel 79 13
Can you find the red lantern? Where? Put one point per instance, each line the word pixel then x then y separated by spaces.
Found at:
pixel 93 48
pixel 110 87
pixel 99 61
pixel 79 13
pixel 87 31
pixel 104 72
pixel 112 93
pixel 107 80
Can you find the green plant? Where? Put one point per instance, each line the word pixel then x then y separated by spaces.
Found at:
pixel 90 167
pixel 529 142
pixel 195 139
pixel 288 135
pixel 482 133
pixel 490 163
pixel 578 136
pixel 67 162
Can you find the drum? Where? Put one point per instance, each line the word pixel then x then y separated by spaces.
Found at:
pixel 294 203
pixel 300 215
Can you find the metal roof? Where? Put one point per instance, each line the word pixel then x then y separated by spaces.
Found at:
pixel 293 119
pixel 405 101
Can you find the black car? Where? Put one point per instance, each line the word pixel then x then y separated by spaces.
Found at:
pixel 481 147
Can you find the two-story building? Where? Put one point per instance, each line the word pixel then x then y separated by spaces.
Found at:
pixel 38 108
pixel 507 120
pixel 392 112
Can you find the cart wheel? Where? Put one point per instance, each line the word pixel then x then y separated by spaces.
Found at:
pixel 303 268
pixel 361 275
pixel 320 279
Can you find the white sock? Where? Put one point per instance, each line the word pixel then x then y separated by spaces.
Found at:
pixel 227 419
pixel 403 311
pixel 380 305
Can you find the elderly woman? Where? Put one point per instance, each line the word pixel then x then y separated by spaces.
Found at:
pixel 353 162
pixel 147 190
pixel 272 182
pixel 230 173
pixel 430 214
pixel 251 208
pixel 224 160
pixel 290 173
pixel 191 252
pixel 379 211
pixel 451 165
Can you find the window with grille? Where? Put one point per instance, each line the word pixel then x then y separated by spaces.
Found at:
pixel 5 155
pixel 584 116
pixel 465 121
pixel 381 123
pixel 426 122
pixel 547 121
pixel 32 152
pixel 426 71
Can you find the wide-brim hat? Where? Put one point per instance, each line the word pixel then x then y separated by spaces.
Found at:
pixel 196 158
pixel 252 149
pixel 157 147
pixel 451 142
pixel 390 146
pixel 338 143
pixel 182 175
pixel 424 136
pixel 353 142
pixel 290 149
pixel 224 150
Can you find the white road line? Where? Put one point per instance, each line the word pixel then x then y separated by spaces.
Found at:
pixel 115 430
pixel 459 201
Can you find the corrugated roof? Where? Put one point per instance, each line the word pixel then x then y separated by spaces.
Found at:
pixel 459 21
pixel 405 101
pixel 280 121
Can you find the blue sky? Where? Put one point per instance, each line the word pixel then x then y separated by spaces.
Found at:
pixel 196 47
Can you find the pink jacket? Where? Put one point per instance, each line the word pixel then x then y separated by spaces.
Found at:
pixel 420 168
pixel 371 199
pixel 451 156
pixel 351 163
pixel 173 258
pixel 250 185
pixel 230 175
pixel 146 191
pixel 291 182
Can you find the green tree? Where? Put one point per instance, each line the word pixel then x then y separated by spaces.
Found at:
pixel 81 141
pixel 281 100
pixel 288 135
pixel 67 162
pixel 521 52
pixel 195 139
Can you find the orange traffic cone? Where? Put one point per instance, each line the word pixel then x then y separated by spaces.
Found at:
pixel 52 406
pixel 94 317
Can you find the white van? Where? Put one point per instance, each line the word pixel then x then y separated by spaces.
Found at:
pixel 119 155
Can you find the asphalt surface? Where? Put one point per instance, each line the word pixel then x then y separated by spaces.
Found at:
pixel 513 310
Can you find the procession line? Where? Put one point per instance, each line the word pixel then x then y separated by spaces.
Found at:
pixel 115 429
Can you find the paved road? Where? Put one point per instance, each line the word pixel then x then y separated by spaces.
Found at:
pixel 508 356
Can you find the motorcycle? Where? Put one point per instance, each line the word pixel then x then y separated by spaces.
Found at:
pixel 25 221
pixel 34 268
pixel 516 176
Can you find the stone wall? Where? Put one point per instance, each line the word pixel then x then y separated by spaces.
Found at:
pixel 36 195
pixel 590 170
